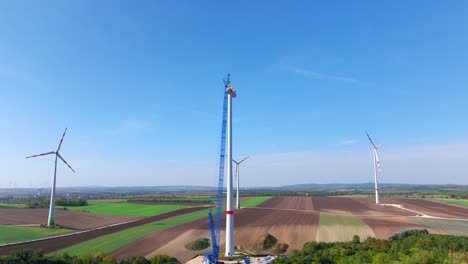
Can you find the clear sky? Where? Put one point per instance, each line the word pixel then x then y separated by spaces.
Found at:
pixel 139 86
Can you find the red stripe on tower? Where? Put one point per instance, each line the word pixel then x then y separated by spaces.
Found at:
pixel 229 212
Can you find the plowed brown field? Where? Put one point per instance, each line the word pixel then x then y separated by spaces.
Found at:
pixel 66 218
pixel 57 243
pixel 295 202
pixel 355 206
pixel 292 227
pixel 385 227
pixel 433 208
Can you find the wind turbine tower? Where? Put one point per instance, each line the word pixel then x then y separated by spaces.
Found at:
pixel 51 220
pixel 237 181
pixel 377 168
pixel 229 210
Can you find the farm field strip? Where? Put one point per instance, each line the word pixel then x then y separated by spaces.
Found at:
pixel 451 227
pixel 433 208
pixel 113 242
pixel 13 234
pixel 76 220
pixel 254 201
pixel 333 227
pixel 457 202
pixel 62 241
pixel 293 228
pixel 124 209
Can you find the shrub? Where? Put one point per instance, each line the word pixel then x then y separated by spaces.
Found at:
pixel 280 248
pixel 199 244
pixel 164 259
pixel 135 260
pixel 406 233
pixel 265 242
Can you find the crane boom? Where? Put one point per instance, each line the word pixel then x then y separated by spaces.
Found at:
pixel 215 227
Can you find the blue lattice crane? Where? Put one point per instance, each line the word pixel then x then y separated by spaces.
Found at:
pixel 215 227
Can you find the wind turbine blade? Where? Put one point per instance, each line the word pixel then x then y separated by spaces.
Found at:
pixel 61 140
pixel 236 162
pixel 378 161
pixel 370 139
pixel 65 162
pixel 43 154
pixel 244 159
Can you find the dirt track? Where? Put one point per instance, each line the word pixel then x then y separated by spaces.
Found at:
pixel 433 208
pixel 51 245
pixel 355 206
pixel 292 227
pixel 66 218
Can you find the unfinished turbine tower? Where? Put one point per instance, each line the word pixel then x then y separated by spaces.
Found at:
pixel 237 181
pixel 51 220
pixel 229 210
pixel 377 168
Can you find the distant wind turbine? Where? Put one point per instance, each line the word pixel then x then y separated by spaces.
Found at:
pixel 377 168
pixel 237 179
pixel 51 220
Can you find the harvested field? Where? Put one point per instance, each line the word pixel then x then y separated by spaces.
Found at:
pixel 356 206
pixel 68 219
pixel 433 208
pixel 341 228
pixel 52 245
pixel 451 227
pixel 295 202
pixel 385 227
pixel 291 227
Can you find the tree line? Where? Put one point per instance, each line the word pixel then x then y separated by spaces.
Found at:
pixel 38 257
pixel 403 248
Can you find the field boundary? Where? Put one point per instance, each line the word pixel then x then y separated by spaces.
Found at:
pixel 51 244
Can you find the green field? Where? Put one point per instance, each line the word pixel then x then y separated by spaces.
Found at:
pixel 11 234
pixel 112 242
pixel 125 209
pixel 459 202
pixel 255 201
pixel 452 227
pixel 12 205
pixel 345 220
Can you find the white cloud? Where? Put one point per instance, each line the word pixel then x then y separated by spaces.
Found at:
pixel 347 142
pixel 425 164
pixel 317 75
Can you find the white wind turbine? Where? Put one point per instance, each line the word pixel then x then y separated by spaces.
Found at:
pixel 237 181
pixel 51 220
pixel 377 168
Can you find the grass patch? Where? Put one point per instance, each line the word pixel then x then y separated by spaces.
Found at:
pixel 255 201
pixel 12 234
pixel 125 209
pixel 115 241
pixel 13 205
pixel 199 244
pixel 334 219
pixel 458 202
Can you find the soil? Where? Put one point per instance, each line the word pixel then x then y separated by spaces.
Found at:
pixel 66 218
pixel 57 243
pixel 292 227
pixel 384 228
pixel 296 202
pixel 433 208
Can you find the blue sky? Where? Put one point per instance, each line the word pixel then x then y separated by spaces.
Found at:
pixel 139 85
